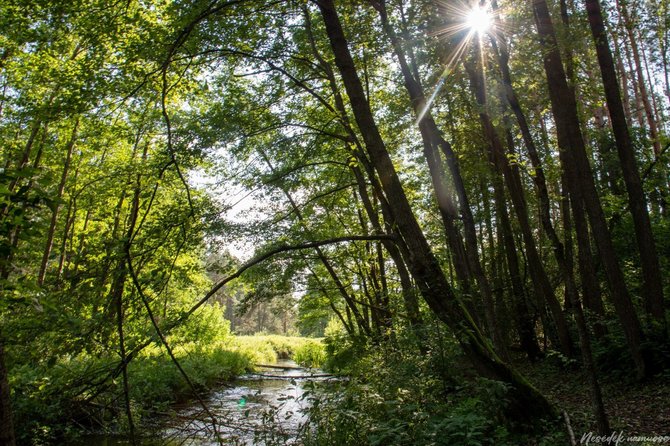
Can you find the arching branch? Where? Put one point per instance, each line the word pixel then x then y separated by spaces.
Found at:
pixel 269 254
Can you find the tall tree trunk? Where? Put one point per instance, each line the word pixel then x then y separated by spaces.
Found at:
pixel 25 155
pixel 629 27
pixel 397 251
pixel 591 289
pixel 580 180
pixel 118 288
pixel 563 258
pixel 526 402
pixel 409 298
pixel 54 214
pixel 637 202
pixel 587 358
pixel 523 321
pixel 623 74
pixel 657 115
pixel 541 284
pixel 432 139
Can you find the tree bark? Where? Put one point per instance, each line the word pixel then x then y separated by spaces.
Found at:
pixel 641 84
pixel 637 202
pixel 409 298
pixel 54 214
pixel 397 251
pixel 526 403
pixel 432 139
pixel 580 180
pixel 563 257
pixel 543 289
pixel 523 321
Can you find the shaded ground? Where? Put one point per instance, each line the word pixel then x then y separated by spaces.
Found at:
pixel 634 408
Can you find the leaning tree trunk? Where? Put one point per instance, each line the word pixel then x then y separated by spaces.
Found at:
pixel 526 402
pixel 397 251
pixel 432 139
pixel 410 302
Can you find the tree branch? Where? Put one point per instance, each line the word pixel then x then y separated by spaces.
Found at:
pixel 273 252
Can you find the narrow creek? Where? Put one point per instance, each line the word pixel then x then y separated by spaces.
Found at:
pixel 262 408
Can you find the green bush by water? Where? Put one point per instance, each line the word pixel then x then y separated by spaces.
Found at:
pixel 396 395
pixel 310 354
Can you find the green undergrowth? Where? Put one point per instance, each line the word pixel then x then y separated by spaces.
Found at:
pixel 70 395
pixel 396 395
pixel 73 394
pixel 310 354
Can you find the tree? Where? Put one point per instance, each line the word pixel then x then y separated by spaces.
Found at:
pixel 637 202
pixel 580 182
pixel 422 264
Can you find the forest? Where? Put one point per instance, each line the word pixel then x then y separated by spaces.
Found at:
pixel 460 209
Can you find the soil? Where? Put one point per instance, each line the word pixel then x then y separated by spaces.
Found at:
pixel 635 408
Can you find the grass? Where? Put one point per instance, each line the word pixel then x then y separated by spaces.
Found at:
pixel 263 349
pixel 55 401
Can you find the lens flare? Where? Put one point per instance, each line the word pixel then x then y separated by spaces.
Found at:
pixel 479 20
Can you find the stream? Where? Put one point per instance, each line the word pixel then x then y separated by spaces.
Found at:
pixel 262 408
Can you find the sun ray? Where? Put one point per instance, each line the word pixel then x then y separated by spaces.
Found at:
pixel 479 20
pixel 463 21
pixel 451 63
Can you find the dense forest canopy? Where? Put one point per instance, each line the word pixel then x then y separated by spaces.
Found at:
pixel 492 176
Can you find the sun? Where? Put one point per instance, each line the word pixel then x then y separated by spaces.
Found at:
pixel 478 20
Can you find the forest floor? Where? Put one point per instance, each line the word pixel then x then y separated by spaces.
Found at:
pixel 634 408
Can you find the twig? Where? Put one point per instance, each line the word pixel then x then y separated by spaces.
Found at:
pixel 566 418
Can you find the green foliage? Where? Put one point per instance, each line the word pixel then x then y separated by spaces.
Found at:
pixel 259 351
pixel 264 349
pixel 342 351
pixel 207 327
pixel 154 96
pixel 394 397
pixel 47 398
pixel 310 354
pixel 52 401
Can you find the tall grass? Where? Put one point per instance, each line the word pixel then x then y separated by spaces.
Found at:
pixel 307 352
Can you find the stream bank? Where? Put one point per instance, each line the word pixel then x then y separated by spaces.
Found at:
pixel 267 407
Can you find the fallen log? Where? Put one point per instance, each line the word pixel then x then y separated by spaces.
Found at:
pixel 281 367
pixel 318 375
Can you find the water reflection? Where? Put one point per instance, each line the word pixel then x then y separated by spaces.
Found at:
pixel 266 408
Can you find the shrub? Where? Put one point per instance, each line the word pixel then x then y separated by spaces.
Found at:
pixel 310 354
pixel 268 348
pixel 396 398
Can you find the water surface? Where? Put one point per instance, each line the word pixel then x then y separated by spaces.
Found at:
pixel 264 408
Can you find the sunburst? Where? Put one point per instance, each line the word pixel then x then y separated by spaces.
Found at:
pixel 479 20
pixel 465 22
